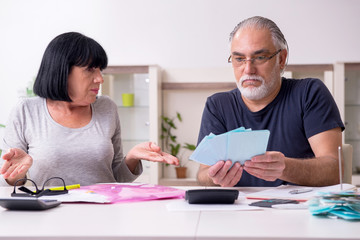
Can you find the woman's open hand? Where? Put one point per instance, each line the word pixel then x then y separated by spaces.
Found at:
pixel 151 152
pixel 17 163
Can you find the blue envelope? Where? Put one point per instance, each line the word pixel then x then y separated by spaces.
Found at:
pixel 238 145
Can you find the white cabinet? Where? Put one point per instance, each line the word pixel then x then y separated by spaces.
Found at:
pixel 347 81
pixel 140 121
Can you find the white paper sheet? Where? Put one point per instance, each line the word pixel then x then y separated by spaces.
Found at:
pixel 283 191
pixel 182 205
pixel 79 196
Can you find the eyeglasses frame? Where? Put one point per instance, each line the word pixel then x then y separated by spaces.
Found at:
pixel 37 193
pixel 253 59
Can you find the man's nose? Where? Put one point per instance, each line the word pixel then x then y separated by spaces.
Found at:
pixel 249 67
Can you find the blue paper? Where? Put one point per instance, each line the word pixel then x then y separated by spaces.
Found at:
pixel 238 145
pixel 343 204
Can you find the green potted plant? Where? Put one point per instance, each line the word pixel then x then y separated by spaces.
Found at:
pixel 171 144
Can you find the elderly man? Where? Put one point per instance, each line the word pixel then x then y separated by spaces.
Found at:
pixel 303 119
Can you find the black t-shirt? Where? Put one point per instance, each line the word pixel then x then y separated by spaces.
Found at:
pixel 302 109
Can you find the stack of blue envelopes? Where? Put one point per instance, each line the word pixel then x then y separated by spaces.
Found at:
pixel 238 145
pixel 345 205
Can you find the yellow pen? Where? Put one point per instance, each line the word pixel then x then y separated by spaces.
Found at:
pixel 67 187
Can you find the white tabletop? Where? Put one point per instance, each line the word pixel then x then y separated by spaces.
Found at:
pixel 274 224
pixel 137 220
pixel 152 220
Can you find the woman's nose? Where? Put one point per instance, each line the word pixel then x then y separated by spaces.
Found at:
pixel 98 76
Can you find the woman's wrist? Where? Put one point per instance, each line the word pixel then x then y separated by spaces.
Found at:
pixel 131 162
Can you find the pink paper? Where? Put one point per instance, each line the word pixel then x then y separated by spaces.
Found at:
pixel 133 192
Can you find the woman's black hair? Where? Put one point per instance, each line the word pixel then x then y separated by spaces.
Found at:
pixel 63 52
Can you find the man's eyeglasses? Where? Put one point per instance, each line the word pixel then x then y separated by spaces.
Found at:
pixel 38 192
pixel 239 61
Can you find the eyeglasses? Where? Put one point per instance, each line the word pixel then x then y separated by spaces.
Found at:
pixel 239 61
pixel 38 192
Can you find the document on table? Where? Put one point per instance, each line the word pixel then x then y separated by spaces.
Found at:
pixel 238 145
pixel 182 205
pixel 78 196
pixel 284 192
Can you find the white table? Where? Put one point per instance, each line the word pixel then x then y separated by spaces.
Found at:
pixel 152 220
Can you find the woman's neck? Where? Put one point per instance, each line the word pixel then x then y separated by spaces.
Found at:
pixel 69 114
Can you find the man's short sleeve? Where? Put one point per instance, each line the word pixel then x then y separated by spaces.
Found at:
pixel 320 110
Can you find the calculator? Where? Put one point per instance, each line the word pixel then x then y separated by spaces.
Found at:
pixel 28 203
pixel 211 196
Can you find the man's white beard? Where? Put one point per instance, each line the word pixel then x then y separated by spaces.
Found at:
pixel 260 92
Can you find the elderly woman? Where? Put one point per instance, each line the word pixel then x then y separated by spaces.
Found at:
pixel 68 131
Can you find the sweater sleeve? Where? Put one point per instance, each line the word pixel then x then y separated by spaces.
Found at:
pixel 14 134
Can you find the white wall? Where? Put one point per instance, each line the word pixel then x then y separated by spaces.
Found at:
pixel 170 33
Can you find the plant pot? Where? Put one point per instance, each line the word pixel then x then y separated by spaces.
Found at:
pixel 181 172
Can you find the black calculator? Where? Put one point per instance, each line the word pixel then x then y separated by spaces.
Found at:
pixel 211 196
pixel 28 203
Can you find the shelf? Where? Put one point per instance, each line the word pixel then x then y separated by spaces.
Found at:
pixel 351 140
pixel 352 66
pixel 134 107
pixel 126 69
pixel 232 85
pixel 309 68
pixel 197 85
pixel 352 104
pixel 178 182
pixel 134 140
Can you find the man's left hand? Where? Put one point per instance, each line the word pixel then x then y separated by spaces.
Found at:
pixel 269 166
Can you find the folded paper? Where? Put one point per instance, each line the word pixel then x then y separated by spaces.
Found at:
pixel 238 145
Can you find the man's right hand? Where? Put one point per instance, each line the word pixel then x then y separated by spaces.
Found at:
pixel 17 163
pixel 224 175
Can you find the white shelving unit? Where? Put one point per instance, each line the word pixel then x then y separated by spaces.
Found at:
pixel 140 122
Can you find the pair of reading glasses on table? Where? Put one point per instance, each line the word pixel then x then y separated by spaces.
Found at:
pixel 26 192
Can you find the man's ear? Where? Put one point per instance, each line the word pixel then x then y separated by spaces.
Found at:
pixel 283 55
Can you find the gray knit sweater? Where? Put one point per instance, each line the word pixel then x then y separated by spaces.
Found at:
pixel 88 155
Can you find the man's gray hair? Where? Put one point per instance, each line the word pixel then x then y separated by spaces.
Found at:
pixel 261 23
